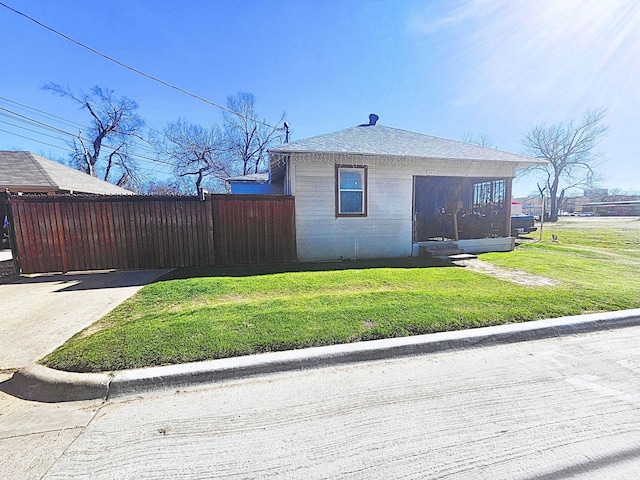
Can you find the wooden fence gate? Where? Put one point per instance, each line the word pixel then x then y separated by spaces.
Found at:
pixel 61 233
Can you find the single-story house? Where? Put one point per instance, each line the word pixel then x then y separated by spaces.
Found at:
pixel 373 191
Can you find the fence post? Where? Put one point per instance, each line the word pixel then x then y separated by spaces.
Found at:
pixel 12 232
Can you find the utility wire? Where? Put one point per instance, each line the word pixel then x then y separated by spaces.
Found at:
pixel 70 123
pixel 134 154
pixel 34 140
pixel 128 67
pixel 66 149
pixel 43 113
pixel 44 127
pixel 51 127
pixel 26 119
pixel 29 129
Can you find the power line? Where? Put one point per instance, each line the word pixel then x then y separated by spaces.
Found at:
pixel 66 149
pixel 30 123
pixel 133 155
pixel 64 120
pixel 70 123
pixel 157 165
pixel 34 140
pixel 29 129
pixel 128 67
pixel 26 119
pixel 51 127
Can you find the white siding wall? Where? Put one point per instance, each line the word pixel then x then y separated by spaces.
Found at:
pixel 387 229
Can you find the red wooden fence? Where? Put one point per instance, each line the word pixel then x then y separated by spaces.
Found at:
pixel 77 232
pixel 254 229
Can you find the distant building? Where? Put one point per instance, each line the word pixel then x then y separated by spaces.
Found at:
pixel 615 205
pixel 576 204
pixel 595 192
pixel 531 205
pixel 596 200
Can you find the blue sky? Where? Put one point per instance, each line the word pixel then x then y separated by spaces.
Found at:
pixel 443 68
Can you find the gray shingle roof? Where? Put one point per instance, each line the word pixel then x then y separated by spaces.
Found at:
pixel 387 141
pixel 27 172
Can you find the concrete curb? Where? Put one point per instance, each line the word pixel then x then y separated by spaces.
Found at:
pixel 43 384
pixel 46 385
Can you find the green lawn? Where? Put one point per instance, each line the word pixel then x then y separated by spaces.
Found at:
pixel 199 314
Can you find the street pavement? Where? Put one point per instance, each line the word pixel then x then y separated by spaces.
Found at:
pixel 564 407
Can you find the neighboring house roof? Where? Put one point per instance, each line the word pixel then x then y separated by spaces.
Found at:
pixel 386 141
pixel 250 178
pixel 27 172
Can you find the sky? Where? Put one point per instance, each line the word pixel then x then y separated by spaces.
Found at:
pixel 444 68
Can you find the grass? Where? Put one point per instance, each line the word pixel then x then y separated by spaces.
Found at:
pixel 207 313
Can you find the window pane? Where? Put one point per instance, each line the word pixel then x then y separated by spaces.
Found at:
pixel 351 202
pixel 351 179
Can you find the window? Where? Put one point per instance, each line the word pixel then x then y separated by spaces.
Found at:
pixel 351 190
pixel 489 200
pixel 489 194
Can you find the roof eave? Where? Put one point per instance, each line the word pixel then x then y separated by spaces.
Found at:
pixel 31 188
pixel 518 162
pixel 534 161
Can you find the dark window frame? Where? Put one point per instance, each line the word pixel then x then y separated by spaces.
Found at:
pixel 365 190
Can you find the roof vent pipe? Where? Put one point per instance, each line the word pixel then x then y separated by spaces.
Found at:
pixel 373 118
pixel 286 132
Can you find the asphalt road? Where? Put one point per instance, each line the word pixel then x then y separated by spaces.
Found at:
pixel 558 408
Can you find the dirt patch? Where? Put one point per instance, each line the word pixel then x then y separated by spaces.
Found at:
pixel 368 324
pixel 510 274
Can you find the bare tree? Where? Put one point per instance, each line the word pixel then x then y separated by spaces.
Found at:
pixel 249 137
pixel 570 150
pixel 197 152
pixel 167 187
pixel 482 139
pixel 103 150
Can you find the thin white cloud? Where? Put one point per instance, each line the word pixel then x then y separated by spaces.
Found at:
pixel 428 20
pixel 513 63
pixel 542 49
pixel 537 50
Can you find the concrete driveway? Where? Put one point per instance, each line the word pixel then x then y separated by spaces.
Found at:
pixel 41 312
